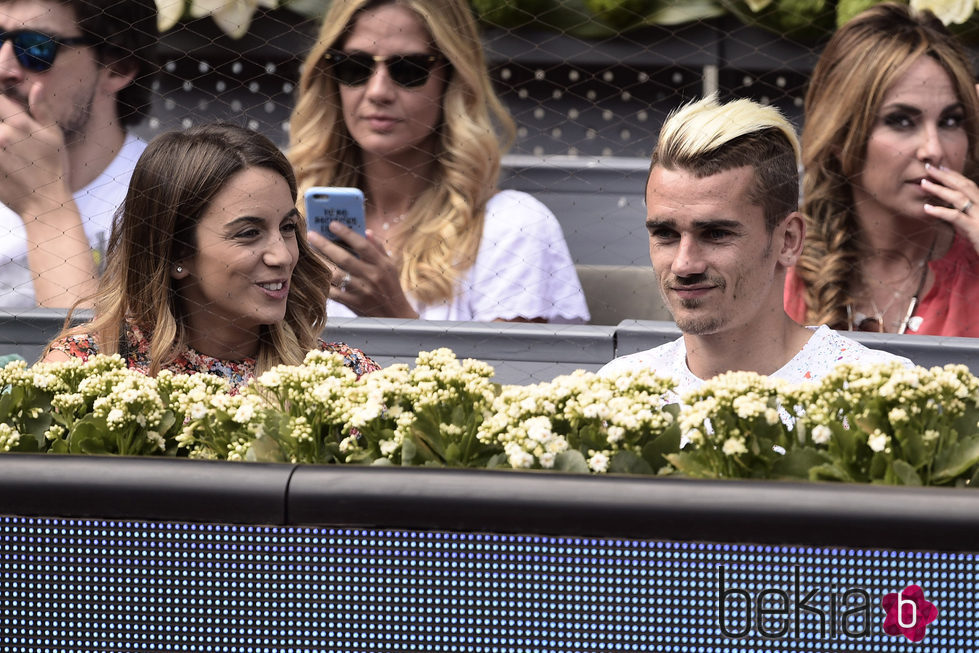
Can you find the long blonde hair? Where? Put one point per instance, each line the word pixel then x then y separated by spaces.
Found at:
pixel 858 66
pixel 443 226
pixel 172 185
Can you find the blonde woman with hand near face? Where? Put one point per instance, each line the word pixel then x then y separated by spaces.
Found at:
pixel 395 99
pixel 891 135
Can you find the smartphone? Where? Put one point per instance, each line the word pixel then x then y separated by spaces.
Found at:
pixel 325 204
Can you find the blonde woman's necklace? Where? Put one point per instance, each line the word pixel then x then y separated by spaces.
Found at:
pixel 386 224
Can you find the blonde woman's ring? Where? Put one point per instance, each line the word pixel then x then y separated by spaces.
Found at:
pixel 965 207
pixel 344 282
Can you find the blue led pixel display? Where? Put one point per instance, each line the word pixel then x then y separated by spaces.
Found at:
pixel 91 585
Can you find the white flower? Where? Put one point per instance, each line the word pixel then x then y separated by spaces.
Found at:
pixel 898 415
pixel 388 447
pixel 821 434
pixel 156 439
pixel 877 441
pixel 615 434
pixel 270 379
pixel 771 416
pixel 539 429
pixel 546 460
pixel 598 463
pixel 232 16
pixel 948 11
pixel 9 437
pixel 694 437
pixel 115 416
pixel 734 446
pixel 517 457
pixel 244 413
pixel 758 5
pixel 198 411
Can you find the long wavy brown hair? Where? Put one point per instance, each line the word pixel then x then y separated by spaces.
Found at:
pixel 172 186
pixel 445 225
pixel 859 65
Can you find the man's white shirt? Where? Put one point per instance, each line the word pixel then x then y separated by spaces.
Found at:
pixel 824 351
pixel 97 203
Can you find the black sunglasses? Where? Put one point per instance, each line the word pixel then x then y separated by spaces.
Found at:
pixel 36 51
pixel 406 70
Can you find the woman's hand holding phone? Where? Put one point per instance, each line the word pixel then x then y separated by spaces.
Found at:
pixel 366 279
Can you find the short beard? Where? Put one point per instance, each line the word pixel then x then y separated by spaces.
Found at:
pixel 76 126
pixel 701 325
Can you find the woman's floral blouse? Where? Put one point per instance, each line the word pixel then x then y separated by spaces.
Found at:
pixel 237 373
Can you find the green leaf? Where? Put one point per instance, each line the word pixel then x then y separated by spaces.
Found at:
pixel 590 437
pixel 453 454
pixel 912 446
pixel 846 440
pixel 906 473
pixel 6 404
pixel 688 464
pixel 829 472
pixel 28 444
pixel 799 462
pixel 626 462
pixel 879 466
pixel 58 446
pixel 167 422
pixel 264 449
pixel 571 461
pixel 498 461
pixel 91 436
pixel 409 451
pixel 38 426
pixel 655 452
pixel 955 460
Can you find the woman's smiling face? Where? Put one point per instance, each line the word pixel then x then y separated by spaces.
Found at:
pixel 246 250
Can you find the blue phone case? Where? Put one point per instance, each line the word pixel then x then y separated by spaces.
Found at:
pixel 325 204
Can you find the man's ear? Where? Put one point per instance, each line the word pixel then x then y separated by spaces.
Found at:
pixel 117 76
pixel 791 237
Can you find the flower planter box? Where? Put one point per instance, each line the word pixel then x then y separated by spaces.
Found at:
pixel 134 554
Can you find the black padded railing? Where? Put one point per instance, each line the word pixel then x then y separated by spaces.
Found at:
pixel 164 554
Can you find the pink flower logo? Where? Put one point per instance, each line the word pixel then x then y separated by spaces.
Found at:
pixel 908 613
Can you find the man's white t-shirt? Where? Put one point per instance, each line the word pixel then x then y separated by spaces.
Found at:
pixel 97 203
pixel 824 351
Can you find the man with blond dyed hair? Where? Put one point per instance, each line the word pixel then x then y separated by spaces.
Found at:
pixel 724 227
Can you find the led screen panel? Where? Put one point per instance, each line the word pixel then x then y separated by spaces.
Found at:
pixel 130 585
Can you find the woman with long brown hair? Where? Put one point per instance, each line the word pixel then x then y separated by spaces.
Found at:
pixel 208 268
pixel 891 133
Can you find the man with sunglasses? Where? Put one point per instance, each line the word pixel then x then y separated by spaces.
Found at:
pixel 74 75
pixel 724 227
